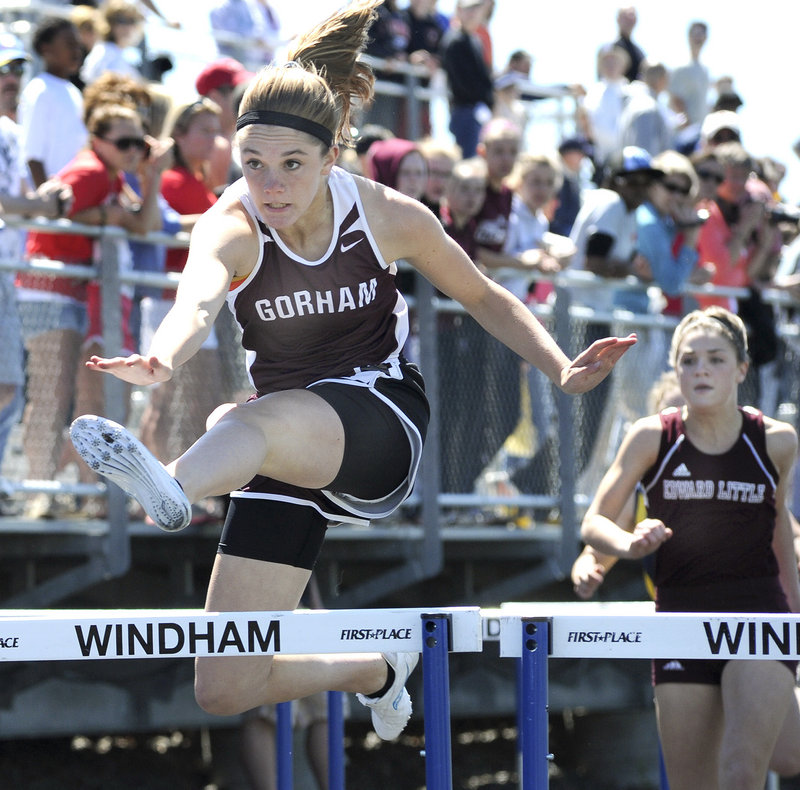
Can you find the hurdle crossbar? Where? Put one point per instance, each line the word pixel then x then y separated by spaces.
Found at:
pixel 52 635
pixel 623 630
pixel 533 633
pixel 66 635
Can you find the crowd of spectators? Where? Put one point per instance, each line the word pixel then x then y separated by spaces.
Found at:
pixel 651 184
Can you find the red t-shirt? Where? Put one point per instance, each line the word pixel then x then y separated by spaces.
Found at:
pixel 712 245
pixel 187 194
pixel 92 185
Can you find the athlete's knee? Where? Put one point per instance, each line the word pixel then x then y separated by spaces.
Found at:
pixel 219 694
pixel 215 700
pixel 218 414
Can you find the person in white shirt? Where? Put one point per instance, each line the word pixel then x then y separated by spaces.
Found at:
pixel 123 30
pixel 15 199
pixel 47 145
pixel 601 107
pixel 604 231
pixel 604 234
pixel 689 84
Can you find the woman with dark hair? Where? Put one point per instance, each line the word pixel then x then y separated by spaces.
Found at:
pixel 304 254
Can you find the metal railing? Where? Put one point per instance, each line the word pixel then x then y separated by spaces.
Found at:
pixel 432 510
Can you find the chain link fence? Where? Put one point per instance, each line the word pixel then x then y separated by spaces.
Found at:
pixel 506 449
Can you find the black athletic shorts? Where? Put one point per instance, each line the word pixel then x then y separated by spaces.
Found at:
pixel 736 597
pixel 385 416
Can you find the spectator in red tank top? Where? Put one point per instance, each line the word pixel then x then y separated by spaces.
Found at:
pixel 194 128
pixel 57 311
pixel 169 421
pixel 737 237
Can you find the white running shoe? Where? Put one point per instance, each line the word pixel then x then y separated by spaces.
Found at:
pixel 391 712
pixel 114 452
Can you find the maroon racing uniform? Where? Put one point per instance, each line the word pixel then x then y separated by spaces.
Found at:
pixel 303 321
pixel 335 322
pixel 721 510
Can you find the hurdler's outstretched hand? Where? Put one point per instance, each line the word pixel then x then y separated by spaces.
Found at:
pixel 135 369
pixel 590 367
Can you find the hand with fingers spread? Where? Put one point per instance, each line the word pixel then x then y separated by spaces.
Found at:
pixel 591 366
pixel 134 369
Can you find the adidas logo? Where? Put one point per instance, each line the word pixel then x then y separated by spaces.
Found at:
pixel 673 666
pixel 682 471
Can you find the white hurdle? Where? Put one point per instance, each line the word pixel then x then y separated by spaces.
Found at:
pixel 530 632
pixel 67 635
pixel 83 634
pixel 535 632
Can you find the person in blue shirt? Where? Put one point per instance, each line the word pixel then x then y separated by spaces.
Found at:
pixel 667 227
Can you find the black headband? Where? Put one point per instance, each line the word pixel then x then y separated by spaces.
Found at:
pixel 286 119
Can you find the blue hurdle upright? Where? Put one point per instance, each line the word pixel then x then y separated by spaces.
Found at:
pixel 535 632
pixel 284 737
pixel 437 642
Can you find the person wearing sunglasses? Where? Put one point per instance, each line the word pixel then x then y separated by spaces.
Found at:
pixel 667 228
pixel 13 59
pixel 737 237
pixel 710 173
pixel 61 315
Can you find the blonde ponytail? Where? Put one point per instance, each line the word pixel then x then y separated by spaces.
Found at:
pixel 330 79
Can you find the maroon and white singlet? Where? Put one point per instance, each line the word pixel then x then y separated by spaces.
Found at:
pixel 721 509
pixel 303 321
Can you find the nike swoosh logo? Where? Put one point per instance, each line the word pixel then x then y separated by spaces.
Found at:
pixel 346 247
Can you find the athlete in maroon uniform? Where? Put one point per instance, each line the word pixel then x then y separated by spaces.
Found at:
pixel 721 509
pixel 336 313
pixel 305 253
pixel 715 476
